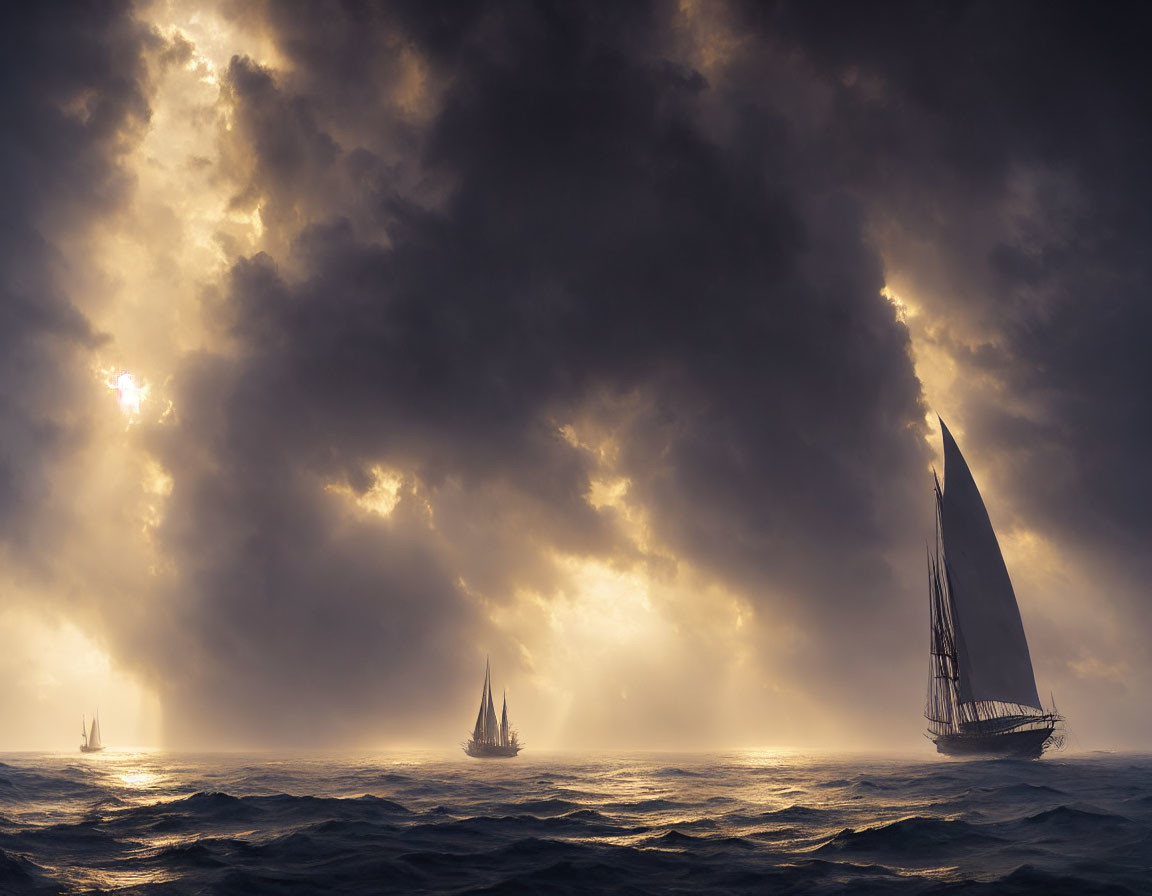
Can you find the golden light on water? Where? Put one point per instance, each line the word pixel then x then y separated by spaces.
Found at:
pixel 139 779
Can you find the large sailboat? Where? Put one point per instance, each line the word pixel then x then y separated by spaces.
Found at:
pixel 982 698
pixel 90 740
pixel 491 739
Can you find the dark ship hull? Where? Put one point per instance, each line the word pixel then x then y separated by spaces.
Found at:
pixel 1007 745
pixel 1027 742
pixel 491 751
pixel 87 749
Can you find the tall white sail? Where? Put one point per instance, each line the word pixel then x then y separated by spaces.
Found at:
pixel 492 733
pixel 94 736
pixel 991 650
pixel 480 733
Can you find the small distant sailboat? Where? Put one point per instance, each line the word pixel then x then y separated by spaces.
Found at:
pixel 91 742
pixel 491 739
pixel 982 698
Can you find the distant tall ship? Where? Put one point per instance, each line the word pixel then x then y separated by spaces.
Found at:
pixel 982 698
pixel 91 742
pixel 491 739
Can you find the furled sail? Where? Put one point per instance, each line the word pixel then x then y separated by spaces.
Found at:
pixel 991 650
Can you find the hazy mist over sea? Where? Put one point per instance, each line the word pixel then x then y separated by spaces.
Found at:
pixel 737 822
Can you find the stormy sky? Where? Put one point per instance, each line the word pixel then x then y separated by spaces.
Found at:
pixel 343 345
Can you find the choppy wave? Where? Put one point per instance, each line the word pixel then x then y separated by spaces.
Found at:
pixel 160 825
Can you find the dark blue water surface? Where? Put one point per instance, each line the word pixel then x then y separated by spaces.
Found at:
pixel 159 823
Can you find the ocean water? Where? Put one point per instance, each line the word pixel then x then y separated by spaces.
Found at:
pixel 157 823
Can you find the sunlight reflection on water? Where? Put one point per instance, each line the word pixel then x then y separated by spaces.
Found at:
pixel 741 821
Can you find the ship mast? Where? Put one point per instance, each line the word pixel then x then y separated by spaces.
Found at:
pixel 941 709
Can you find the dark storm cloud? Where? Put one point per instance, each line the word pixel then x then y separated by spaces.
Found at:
pixel 982 101
pixel 1003 151
pixel 484 223
pixel 599 255
pixel 70 97
pixel 290 614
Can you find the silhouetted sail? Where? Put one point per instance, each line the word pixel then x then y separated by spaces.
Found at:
pixel 492 738
pixel 991 649
pixel 478 731
pixel 90 738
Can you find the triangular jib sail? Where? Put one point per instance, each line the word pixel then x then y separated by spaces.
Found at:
pixel 993 663
pixel 94 736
